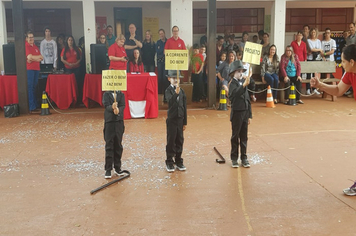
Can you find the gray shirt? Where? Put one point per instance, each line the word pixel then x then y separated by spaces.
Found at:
pixel 351 39
pixel 269 67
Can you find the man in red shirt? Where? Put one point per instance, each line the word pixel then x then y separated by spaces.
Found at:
pixel 117 54
pixel 33 58
pixel 175 42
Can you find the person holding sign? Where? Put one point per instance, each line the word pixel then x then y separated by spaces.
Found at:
pixel 241 113
pixel 176 123
pixel 117 54
pixel 175 42
pixel 114 103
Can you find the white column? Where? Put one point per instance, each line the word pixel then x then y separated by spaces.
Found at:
pixel 89 27
pixel 278 25
pixel 3 33
pixel 182 16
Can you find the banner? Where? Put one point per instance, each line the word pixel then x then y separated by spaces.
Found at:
pixel 177 59
pixel 252 53
pixel 114 80
pixel 151 23
pixel 100 22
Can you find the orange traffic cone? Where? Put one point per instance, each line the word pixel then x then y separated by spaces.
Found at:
pixel 44 106
pixel 222 104
pixel 269 100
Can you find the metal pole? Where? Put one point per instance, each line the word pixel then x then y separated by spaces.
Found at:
pixel 20 54
pixel 211 26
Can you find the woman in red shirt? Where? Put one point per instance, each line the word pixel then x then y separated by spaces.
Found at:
pixel 136 64
pixel 117 54
pixel 348 80
pixel 71 56
pixel 197 63
pixel 34 58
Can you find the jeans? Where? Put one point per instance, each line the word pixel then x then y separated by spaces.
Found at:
pixel 32 80
pixel 272 80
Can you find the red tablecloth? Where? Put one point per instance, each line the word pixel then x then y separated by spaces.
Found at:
pixel 140 87
pixel 8 90
pixel 62 89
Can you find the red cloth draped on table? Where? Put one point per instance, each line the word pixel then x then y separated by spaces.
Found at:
pixel 8 90
pixel 62 89
pixel 140 87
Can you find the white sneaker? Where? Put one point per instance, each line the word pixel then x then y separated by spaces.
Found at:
pixel 316 92
pixel 308 91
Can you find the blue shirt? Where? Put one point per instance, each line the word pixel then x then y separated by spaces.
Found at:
pixel 291 70
pixel 111 41
pixel 160 50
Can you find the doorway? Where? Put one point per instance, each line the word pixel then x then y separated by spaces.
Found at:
pixel 124 16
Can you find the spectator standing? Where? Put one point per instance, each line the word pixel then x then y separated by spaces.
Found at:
pixel 243 40
pixel 60 46
pixel 219 47
pixel 299 47
pixel 136 64
pixel 290 72
pixel 222 72
pixel 351 39
pixel 314 54
pixel 71 56
pixel 117 54
pixel 175 42
pixel 148 52
pixel 160 44
pixel 197 75
pixel 232 46
pixel 270 70
pixel 328 45
pixel 110 35
pixel 33 58
pixel 48 49
pixel 348 58
pixel 203 39
pixel 102 40
pixel 260 36
pixel 132 41
pixel 255 39
pixel 266 45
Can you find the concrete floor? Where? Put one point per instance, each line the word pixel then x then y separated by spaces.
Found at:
pixel 301 158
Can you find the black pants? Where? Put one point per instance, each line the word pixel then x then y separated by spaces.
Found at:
pixel 239 125
pixel 298 86
pixel 80 81
pixel 175 140
pixel 113 132
pixel 198 87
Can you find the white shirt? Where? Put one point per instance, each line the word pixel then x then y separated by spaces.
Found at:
pixel 327 46
pixel 49 52
pixel 313 44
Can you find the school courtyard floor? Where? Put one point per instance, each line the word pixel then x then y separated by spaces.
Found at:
pixel 302 157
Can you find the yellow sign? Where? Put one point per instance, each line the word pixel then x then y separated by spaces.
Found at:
pixel 152 24
pixel 252 53
pixel 114 80
pixel 177 59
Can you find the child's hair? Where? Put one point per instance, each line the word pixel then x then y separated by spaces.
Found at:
pixel 196 46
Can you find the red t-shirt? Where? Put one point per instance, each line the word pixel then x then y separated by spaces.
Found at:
pixel 136 67
pixel 350 79
pixel 174 44
pixel 71 57
pixel 116 51
pixel 300 50
pixel 198 64
pixel 34 51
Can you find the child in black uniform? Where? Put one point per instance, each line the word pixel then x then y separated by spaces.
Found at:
pixel 113 131
pixel 176 123
pixel 240 113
